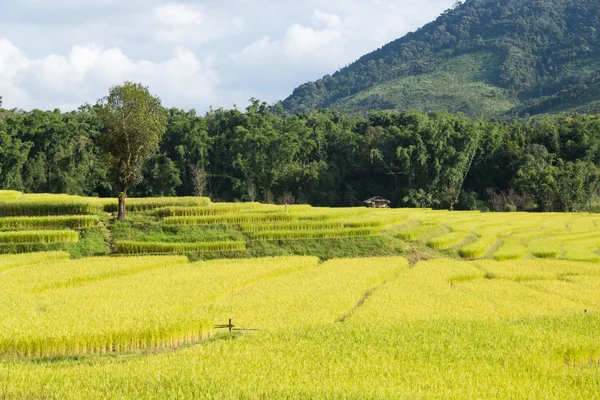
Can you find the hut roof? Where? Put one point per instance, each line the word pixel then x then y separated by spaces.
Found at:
pixel 376 199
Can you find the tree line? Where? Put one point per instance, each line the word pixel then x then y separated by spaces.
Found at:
pixel 325 158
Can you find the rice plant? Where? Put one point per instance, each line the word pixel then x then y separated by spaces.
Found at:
pixel 447 240
pixel 326 214
pixel 582 250
pixel 9 195
pixel 153 203
pixel 8 262
pixel 444 288
pixel 115 305
pixel 61 273
pixel 132 247
pixel 41 236
pixel 544 248
pixel 315 233
pixel 536 269
pixel 212 209
pixel 511 249
pixel 479 247
pixel 228 208
pixel 50 222
pixel 45 208
pixel 234 219
pixel 415 232
pixel 322 294
pixel 309 225
pixel 376 327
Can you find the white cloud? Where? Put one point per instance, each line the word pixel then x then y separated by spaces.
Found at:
pixel 11 61
pixel 300 43
pixel 175 14
pixel 260 48
pixel 306 42
pixel 189 23
pixel 332 34
pixel 86 73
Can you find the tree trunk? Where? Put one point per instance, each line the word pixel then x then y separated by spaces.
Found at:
pixel 121 215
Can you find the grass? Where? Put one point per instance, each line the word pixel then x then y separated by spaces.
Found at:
pixel 371 246
pixel 415 232
pixel 145 230
pixel 458 81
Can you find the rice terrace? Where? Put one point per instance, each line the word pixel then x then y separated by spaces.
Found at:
pixel 431 304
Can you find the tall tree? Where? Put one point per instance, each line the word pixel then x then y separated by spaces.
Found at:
pixel 134 123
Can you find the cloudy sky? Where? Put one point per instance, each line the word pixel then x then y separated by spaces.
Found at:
pixel 192 54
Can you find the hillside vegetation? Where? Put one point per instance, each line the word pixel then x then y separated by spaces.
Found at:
pixel 324 158
pixel 484 58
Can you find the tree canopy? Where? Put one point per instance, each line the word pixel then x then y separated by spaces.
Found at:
pixel 327 158
pixel 134 122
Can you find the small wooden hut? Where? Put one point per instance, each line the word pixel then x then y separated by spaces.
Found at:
pixel 377 202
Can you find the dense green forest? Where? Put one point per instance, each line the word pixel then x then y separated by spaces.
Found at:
pixel 485 58
pixel 326 157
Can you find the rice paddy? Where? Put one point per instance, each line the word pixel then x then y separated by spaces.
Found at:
pixel 506 236
pixel 368 328
pixel 489 305
pixel 130 247
pixel 470 235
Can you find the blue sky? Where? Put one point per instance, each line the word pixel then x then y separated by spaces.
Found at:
pixel 192 54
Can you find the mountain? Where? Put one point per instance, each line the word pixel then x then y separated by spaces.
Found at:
pixel 488 58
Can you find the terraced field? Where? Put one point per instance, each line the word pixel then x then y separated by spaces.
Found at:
pixel 473 305
pixel 42 222
pixel 193 226
pixel 506 236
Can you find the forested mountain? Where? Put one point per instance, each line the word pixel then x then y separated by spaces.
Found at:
pixel 487 58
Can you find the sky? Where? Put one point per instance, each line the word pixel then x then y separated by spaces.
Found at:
pixel 192 54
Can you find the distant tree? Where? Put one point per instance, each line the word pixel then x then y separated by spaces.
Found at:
pixel 199 180
pixel 134 123
pixel 537 177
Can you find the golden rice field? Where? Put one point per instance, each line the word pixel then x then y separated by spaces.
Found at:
pixel 143 327
pixel 45 219
pixel 490 306
pixel 506 236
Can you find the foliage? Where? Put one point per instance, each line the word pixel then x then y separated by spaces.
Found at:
pixel 482 57
pixel 325 158
pixel 135 122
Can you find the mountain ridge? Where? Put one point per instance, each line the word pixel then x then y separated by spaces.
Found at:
pixel 487 58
